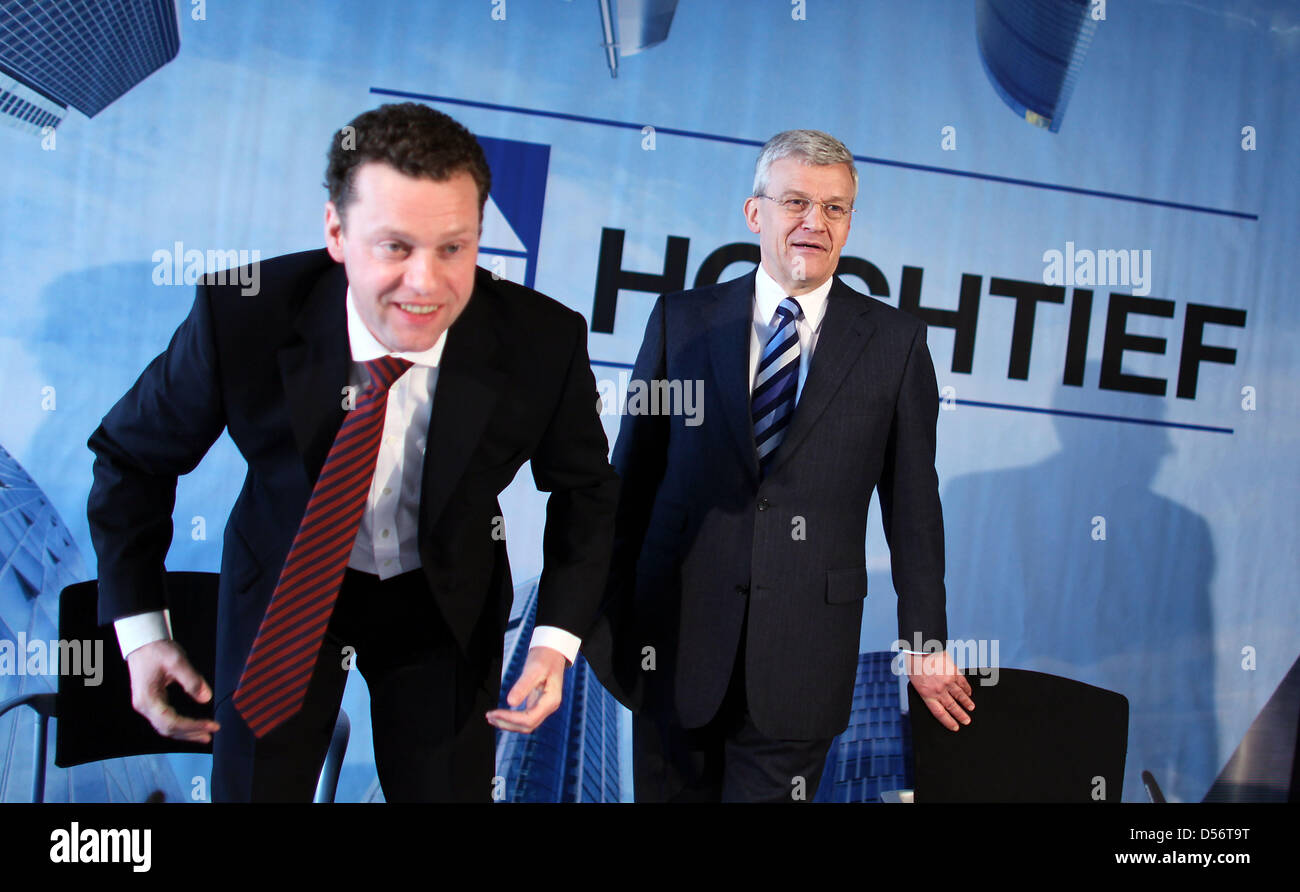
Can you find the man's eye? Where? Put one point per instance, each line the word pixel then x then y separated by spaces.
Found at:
pixel 453 249
pixel 798 205
pixel 392 248
pixel 835 210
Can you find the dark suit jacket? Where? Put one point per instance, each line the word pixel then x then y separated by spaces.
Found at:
pixel 514 384
pixel 700 539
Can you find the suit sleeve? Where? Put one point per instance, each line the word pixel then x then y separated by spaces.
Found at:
pixel 571 462
pixel 909 500
pixel 159 430
pixel 612 644
pixel 640 456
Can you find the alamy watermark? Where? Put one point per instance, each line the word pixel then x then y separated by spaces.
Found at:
pixel 1122 268
pixel 659 396
pixel 37 657
pixel 186 266
pixel 979 655
pixel 87 845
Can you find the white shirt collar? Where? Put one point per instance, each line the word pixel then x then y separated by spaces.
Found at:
pixel 365 346
pixel 768 295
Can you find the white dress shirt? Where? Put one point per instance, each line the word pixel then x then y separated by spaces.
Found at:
pixel 767 296
pixel 387 542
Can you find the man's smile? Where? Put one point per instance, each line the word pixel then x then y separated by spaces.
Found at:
pixel 420 309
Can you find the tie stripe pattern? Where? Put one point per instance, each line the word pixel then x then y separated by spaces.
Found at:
pixel 279 667
pixel 776 383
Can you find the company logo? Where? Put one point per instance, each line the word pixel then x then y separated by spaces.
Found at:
pixel 512 218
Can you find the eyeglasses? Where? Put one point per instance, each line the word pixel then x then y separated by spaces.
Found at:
pixel 797 207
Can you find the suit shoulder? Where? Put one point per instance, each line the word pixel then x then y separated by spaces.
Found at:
pixel 882 314
pixel 285 279
pixel 275 273
pixel 674 299
pixel 526 309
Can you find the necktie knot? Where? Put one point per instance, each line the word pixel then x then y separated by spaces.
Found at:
pixel 385 370
pixel 786 311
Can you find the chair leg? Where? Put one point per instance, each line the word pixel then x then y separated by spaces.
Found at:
pixel 1154 792
pixel 46 706
pixel 39 737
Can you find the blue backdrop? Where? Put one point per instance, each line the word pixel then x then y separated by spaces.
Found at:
pixel 1119 495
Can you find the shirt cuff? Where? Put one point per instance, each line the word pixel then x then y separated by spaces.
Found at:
pixel 134 632
pixel 557 638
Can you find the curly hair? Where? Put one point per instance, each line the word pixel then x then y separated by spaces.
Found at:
pixel 413 139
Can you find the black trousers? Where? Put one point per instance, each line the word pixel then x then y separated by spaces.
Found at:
pixel 727 760
pixel 432 743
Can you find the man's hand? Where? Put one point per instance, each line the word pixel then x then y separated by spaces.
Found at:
pixel 942 686
pixel 541 684
pixel 152 668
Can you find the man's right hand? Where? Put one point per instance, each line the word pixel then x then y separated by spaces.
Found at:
pixel 153 667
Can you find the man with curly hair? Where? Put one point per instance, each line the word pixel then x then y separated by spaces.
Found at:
pixel 383 391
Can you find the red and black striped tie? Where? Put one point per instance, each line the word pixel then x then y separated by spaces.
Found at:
pixel 279 667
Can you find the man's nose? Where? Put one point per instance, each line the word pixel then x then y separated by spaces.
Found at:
pixel 422 272
pixel 814 218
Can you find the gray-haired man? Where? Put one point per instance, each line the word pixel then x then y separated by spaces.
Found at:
pixel 735 599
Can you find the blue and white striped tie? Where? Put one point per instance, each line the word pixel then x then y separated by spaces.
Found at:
pixel 776 383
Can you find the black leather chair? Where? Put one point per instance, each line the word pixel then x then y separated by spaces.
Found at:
pixel 96 722
pixel 1033 737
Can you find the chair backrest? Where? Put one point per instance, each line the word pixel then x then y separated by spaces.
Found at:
pixel 1033 737
pixel 1265 767
pixel 96 721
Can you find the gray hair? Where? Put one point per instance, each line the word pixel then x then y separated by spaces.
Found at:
pixel 810 147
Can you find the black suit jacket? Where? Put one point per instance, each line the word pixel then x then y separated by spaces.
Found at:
pixel 701 541
pixel 514 384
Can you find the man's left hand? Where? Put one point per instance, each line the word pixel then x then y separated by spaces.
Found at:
pixel 942 686
pixel 539 689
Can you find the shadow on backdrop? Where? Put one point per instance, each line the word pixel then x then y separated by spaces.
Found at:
pixel 1130 612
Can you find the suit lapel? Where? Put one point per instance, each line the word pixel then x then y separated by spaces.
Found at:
pixel 729 320
pixel 846 328
pixel 314 368
pixel 470 380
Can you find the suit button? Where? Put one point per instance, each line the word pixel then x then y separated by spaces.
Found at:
pixel 742 589
pixel 763 504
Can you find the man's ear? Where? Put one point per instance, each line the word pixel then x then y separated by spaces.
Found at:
pixel 333 232
pixel 751 214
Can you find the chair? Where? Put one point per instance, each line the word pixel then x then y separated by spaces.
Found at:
pixel 97 722
pixel 1265 766
pixel 1033 737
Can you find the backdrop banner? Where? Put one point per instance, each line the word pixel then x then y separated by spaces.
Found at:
pixel 1092 205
